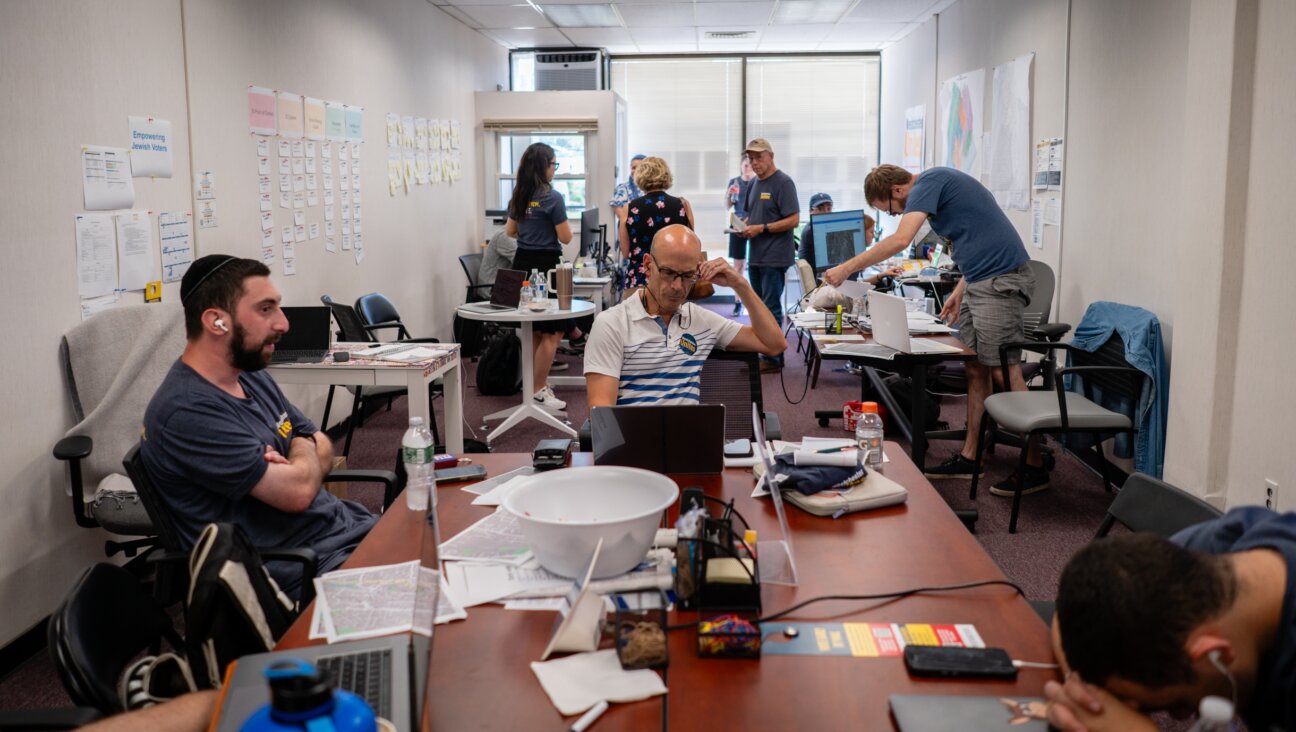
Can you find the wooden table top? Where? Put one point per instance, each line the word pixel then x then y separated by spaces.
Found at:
pixel 480 673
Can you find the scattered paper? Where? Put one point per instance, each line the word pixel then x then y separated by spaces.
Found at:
pixel 577 682
pixel 373 601
pixel 106 178
pixel 496 538
pixel 96 241
pixel 150 151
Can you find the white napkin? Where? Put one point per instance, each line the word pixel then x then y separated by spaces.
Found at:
pixel 580 681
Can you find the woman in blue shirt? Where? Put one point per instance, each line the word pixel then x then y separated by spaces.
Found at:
pixel 537 217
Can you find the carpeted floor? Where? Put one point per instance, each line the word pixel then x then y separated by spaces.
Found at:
pixel 1053 524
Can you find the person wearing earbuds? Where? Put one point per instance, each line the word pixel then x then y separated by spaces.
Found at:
pixel 223 443
pixel 1146 624
pixel 649 348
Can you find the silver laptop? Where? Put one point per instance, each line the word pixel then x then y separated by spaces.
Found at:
pixel 891 327
pixel 390 672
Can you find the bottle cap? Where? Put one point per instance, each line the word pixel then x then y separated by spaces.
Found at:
pixel 749 537
pixel 416 421
pixel 869 407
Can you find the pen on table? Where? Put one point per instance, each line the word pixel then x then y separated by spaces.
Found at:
pixel 843 448
pixel 590 717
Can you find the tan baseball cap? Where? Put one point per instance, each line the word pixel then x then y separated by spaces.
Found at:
pixel 758 144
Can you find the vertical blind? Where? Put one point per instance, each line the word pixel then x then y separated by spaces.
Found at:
pixel 687 112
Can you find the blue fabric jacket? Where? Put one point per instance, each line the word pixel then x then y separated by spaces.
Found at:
pixel 1140 331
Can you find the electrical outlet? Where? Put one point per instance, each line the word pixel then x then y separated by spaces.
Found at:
pixel 1271 494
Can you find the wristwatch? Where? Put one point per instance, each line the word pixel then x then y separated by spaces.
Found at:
pixel 766 231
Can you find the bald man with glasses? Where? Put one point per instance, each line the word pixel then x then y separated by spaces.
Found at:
pixel 649 349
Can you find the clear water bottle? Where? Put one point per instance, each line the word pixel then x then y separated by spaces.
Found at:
pixel 868 437
pixel 525 295
pixel 417 454
pixel 539 284
pixel 1214 714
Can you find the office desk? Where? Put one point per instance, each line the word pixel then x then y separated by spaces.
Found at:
pixel 594 288
pixel 914 427
pixel 480 666
pixel 414 377
pixel 528 408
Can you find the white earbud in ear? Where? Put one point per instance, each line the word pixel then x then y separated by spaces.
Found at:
pixel 219 323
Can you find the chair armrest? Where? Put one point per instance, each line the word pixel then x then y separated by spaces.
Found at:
pixel 48 719
pixel 1051 331
pixel 386 477
pixel 586 436
pixel 73 450
pixel 1043 347
pixel 381 326
pixel 420 340
pixel 309 562
pixel 773 426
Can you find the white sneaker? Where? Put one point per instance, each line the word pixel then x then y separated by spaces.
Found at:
pixel 545 398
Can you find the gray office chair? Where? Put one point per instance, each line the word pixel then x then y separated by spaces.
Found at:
pixel 1033 413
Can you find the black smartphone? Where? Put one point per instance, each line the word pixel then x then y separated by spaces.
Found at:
pixel 991 663
pixel 467 472
pixel 550 454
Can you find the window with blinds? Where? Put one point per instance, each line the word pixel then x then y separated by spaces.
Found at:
pixel 688 112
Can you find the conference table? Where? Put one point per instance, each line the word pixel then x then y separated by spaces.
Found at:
pixel 416 377
pixel 480 672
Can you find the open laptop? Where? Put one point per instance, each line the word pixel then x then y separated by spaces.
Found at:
pixel 891 327
pixel 388 672
pixel 505 293
pixel 307 339
pixel 686 438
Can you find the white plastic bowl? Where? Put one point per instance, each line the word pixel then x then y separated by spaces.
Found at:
pixel 565 512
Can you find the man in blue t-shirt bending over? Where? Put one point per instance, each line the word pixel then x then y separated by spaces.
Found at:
pixel 989 301
pixel 220 440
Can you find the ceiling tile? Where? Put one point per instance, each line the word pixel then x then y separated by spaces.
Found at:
pixel 582 16
pixel 460 16
pixel 658 15
pixel 890 11
pixel 600 37
pixel 807 34
pixel 506 16
pixel 721 13
pixel 669 48
pixel 478 2
pixel 528 38
pixel 861 33
pixel 798 12
pixel 851 46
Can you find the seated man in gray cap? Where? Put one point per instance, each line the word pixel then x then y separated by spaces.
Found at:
pixel 220 440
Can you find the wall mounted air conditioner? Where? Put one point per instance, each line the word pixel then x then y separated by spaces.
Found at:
pixel 570 69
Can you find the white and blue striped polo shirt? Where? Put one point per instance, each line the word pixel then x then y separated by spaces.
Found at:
pixel 655 363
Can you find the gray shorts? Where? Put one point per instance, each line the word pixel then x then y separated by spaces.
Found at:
pixel 991 313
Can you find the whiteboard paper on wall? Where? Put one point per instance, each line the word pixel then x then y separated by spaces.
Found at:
pixel 290 115
pixel 135 251
pixel 175 230
pixel 106 178
pixel 354 123
pixel 96 241
pixel 334 122
pixel 261 110
pixel 1010 153
pixel 314 118
pixel 150 150
pixel 961 123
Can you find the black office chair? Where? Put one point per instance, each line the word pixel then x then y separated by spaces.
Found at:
pixel 377 313
pixel 106 621
pixel 471 264
pixel 352 329
pixel 1032 413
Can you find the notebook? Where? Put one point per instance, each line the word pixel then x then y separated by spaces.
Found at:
pixel 390 672
pixel 686 438
pixel 506 293
pixel 307 339
pixel 930 713
pixel 891 327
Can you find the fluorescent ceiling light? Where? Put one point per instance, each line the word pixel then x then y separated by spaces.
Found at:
pixel 809 11
pixel 582 16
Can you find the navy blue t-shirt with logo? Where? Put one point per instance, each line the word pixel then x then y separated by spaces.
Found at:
pixel 536 231
pixel 962 210
pixel 205 451
pixel 770 200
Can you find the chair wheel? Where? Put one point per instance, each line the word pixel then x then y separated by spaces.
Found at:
pixel 823 421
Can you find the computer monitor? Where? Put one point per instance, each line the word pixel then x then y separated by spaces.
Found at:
pixel 589 233
pixel 838 236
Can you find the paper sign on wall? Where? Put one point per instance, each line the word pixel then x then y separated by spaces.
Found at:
pixel 96 241
pixel 354 123
pixel 314 119
pixel 106 178
pixel 135 252
pixel 262 116
pixel 334 121
pixel 175 229
pixel 150 150
pixel 290 115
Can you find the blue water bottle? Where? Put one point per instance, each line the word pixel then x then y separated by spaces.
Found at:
pixel 301 699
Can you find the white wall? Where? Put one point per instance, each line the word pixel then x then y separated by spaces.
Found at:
pixel 74 70
pixel 1178 154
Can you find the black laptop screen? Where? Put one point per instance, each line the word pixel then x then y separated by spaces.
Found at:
pixel 669 439
pixel 507 290
pixel 308 329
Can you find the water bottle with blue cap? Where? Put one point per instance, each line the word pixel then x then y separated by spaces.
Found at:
pixel 302 699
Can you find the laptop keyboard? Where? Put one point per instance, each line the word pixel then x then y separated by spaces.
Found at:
pixel 293 356
pixel 366 674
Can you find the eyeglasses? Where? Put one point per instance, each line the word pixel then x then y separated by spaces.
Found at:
pixel 670 276
pixel 554 164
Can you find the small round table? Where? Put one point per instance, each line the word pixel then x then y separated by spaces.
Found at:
pixel 525 317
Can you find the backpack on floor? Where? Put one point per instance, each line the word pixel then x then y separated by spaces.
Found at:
pixel 234 607
pixel 499 372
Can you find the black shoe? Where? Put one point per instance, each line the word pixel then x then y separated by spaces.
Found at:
pixel 955 467
pixel 1036 480
pixel 738 308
